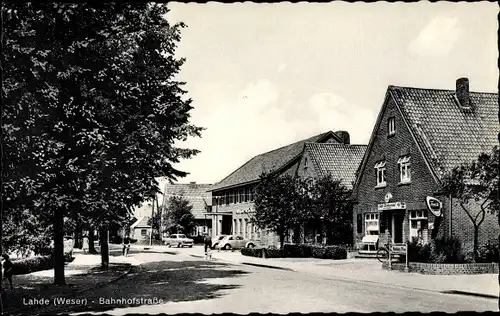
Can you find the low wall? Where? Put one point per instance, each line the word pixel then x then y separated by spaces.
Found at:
pixel 445 268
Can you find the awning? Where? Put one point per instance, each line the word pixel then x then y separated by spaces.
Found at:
pixel 380 164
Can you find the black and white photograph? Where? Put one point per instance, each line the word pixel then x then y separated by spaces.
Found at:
pixel 209 158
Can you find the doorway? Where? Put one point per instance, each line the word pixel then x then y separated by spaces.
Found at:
pixel 226 224
pixel 397 228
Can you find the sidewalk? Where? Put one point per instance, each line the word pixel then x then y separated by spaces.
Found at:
pixel 82 274
pixel 370 271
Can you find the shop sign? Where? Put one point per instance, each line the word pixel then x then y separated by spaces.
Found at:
pixel 392 206
pixel 434 206
pixel 398 249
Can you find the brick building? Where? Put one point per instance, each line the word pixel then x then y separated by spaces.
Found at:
pixel 419 135
pixel 340 160
pixel 232 197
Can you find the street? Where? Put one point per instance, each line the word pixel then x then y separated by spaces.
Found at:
pixel 184 284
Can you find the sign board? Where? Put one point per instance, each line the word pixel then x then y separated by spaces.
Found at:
pixel 398 249
pixel 434 205
pixel 431 225
pixel 392 206
pixel 388 197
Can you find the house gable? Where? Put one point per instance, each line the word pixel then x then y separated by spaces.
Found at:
pixel 383 147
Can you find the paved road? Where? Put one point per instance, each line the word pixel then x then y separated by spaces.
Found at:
pixel 190 285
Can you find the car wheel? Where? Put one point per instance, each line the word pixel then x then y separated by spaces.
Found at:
pixel 250 246
pixel 169 245
pixel 227 247
pixel 191 246
pixel 179 245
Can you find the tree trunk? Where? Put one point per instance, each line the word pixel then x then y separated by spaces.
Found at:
pixel 103 238
pixel 58 255
pixel 476 237
pixel 282 240
pixel 79 236
pixel 92 241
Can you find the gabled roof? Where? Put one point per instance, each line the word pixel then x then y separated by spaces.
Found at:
pixel 339 160
pixel 272 161
pixel 141 223
pixel 446 134
pixel 195 193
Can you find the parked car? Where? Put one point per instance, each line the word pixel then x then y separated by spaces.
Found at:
pixel 232 242
pixel 179 240
pixel 216 240
pixel 254 244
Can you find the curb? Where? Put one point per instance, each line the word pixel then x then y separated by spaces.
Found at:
pixel 456 292
pixel 94 287
pixel 267 266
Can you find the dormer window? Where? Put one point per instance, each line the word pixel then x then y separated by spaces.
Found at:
pixel 380 173
pixel 391 126
pixel 404 169
pixel 305 162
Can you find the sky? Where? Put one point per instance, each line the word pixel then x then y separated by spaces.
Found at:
pixel 262 76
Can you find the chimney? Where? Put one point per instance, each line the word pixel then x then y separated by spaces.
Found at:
pixel 344 136
pixel 462 93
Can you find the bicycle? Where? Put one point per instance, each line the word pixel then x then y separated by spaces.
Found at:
pixel 383 253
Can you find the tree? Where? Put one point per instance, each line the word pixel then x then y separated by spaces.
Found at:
pixel 178 215
pixel 91 103
pixel 332 206
pixel 276 204
pixel 474 185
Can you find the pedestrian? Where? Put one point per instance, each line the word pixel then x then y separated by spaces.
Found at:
pixel 126 246
pixel 85 244
pixel 7 269
pixel 208 247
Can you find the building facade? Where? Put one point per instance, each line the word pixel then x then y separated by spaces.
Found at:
pixel 232 198
pixel 421 134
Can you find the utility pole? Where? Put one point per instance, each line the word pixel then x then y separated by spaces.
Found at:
pixel 152 223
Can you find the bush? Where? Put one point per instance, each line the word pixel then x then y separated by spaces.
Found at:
pixel 445 250
pixel 252 252
pixel 318 252
pixel 273 253
pixel 335 252
pixel 489 253
pixel 25 266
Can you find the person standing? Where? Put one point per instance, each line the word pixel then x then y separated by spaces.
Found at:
pixel 126 246
pixel 208 247
pixel 85 244
pixel 7 266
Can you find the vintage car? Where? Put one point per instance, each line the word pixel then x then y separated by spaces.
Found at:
pixel 217 240
pixel 179 240
pixel 232 242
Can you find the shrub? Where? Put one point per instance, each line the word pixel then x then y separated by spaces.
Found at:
pixel 335 252
pixel 252 252
pixel 447 250
pixel 293 251
pixel 489 253
pixel 273 253
pixel 25 266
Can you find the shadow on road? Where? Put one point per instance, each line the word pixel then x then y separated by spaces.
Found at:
pixel 160 282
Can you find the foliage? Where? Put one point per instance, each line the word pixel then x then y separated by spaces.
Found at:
pixel 474 185
pixel 26 266
pixel 91 112
pixel 441 250
pixel 178 215
pixel 332 207
pixel 252 252
pixel 272 253
pixel 276 204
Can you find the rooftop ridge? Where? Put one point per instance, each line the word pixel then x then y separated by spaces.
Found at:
pixel 441 90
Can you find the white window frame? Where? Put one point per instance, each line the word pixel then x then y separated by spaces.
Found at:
pixel 404 169
pixel 381 173
pixel 391 125
pixel 372 220
pixel 419 216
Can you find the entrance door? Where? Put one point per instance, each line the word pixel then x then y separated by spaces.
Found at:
pixel 226 224
pixel 397 228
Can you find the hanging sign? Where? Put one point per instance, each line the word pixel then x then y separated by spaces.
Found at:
pixel 398 249
pixel 434 206
pixel 392 206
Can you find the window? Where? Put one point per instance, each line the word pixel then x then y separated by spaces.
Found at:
pixel 246 194
pixel 380 173
pixel 227 198
pixel 371 224
pixel 305 163
pixel 419 226
pixel 404 169
pixel 239 238
pixel 360 223
pixel 391 126
pixel 242 194
pixel 240 227
pixel 251 194
pixel 144 232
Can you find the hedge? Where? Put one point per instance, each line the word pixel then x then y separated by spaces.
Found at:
pixel 252 252
pixel 300 251
pixel 29 265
